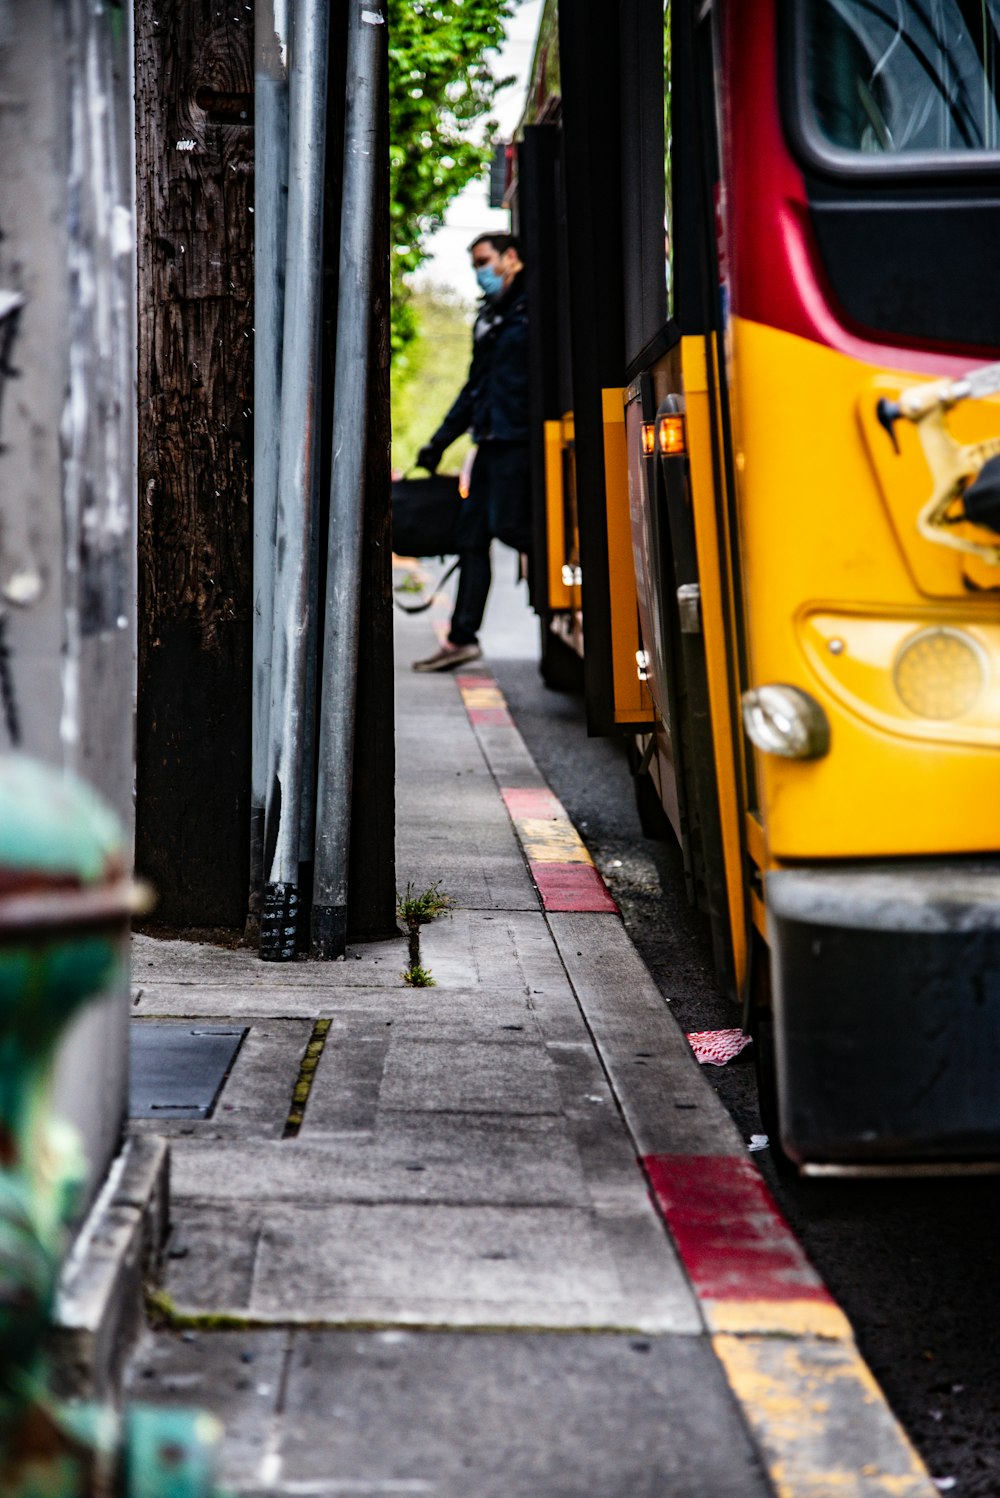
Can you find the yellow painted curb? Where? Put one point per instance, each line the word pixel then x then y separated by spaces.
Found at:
pixel 550 840
pixel 820 1420
pixel 780 1318
pixel 487 697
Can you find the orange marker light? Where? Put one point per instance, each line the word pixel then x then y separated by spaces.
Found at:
pixel 648 439
pixel 672 443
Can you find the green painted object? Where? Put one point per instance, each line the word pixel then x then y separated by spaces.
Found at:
pixel 63 909
pixel 93 1451
pixel 54 825
pixel 170 1453
pixel 56 838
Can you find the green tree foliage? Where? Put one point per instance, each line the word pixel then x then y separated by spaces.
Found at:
pixel 440 85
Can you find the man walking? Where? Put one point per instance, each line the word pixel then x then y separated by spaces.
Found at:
pixel 494 404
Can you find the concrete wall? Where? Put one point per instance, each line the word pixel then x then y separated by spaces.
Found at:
pixel 67 447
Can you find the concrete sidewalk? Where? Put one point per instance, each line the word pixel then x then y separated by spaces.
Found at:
pixel 457 1278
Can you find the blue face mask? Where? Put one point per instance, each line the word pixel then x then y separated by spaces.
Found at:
pixel 490 281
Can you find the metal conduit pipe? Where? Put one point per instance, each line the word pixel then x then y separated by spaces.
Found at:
pixel 347 484
pixel 271 193
pixel 294 603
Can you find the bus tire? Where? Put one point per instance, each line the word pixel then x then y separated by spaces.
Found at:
pixel 560 667
pixel 653 819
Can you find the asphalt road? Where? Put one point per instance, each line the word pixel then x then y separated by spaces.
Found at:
pixel 915 1265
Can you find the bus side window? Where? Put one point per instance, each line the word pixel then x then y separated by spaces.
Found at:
pixel 847 97
pixel 900 76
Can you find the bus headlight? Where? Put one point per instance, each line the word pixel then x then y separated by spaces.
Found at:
pixel 940 673
pixel 780 719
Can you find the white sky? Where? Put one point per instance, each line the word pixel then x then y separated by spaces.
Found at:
pixel 468 214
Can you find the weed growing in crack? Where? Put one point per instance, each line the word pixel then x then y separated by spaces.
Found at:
pixel 416 976
pixel 419 909
pixel 415 911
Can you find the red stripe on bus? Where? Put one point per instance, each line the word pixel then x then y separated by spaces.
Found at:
pixel 732 1239
pixel 778 277
pixel 572 886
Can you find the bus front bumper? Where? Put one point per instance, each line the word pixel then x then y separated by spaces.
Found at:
pixel 886 988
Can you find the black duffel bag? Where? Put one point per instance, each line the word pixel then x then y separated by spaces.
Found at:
pixel 425 515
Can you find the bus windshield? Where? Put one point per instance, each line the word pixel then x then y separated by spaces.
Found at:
pixel 896 76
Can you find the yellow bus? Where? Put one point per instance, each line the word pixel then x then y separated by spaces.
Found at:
pixel 761 242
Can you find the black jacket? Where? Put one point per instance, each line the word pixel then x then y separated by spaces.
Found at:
pixel 494 399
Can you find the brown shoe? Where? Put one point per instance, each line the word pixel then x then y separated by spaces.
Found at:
pixel 447 657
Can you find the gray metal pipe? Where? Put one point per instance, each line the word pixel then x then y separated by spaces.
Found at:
pixel 294 603
pixel 271 192
pixel 347 484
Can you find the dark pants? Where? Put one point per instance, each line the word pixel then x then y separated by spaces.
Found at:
pixel 499 505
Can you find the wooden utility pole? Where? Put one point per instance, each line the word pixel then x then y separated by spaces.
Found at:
pixel 194 161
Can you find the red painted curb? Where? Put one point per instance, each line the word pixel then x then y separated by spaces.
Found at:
pixel 534 802
pixel 732 1239
pixel 490 717
pixel 571 886
pixel 563 886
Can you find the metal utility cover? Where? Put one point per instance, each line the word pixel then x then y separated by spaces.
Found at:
pixel 177 1071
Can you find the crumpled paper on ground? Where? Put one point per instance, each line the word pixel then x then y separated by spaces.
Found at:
pixel 716 1047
